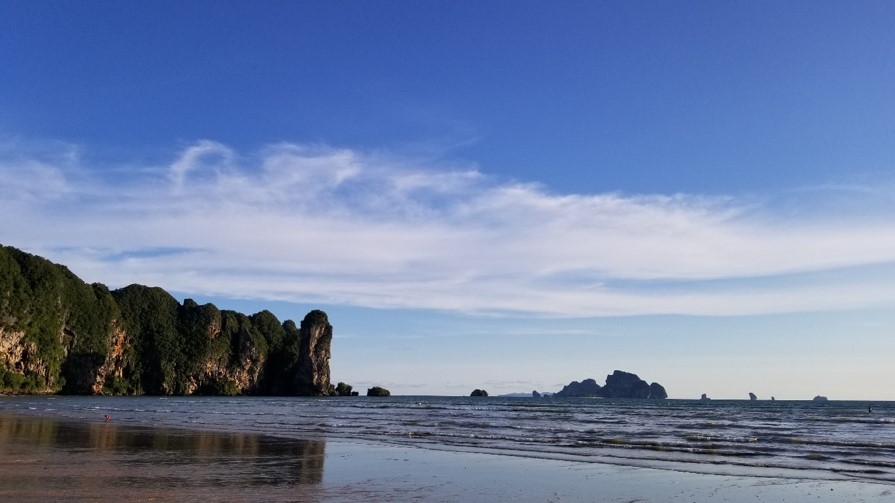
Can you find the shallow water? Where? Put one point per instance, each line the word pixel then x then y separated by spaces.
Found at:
pixel 818 440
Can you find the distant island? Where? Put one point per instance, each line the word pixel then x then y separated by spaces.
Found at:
pixel 533 394
pixel 619 384
pixel 378 391
pixel 59 334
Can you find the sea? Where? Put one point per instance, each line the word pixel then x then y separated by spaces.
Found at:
pixel 795 439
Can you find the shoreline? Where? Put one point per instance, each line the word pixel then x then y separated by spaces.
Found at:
pixel 48 459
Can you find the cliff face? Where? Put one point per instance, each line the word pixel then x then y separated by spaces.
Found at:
pixel 313 361
pixel 112 368
pixel 58 334
pixel 51 324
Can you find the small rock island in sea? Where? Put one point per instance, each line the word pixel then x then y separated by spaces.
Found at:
pixel 619 384
pixel 378 391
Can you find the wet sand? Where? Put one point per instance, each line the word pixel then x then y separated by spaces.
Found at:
pixel 49 460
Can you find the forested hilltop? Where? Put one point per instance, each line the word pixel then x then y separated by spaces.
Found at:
pixel 59 334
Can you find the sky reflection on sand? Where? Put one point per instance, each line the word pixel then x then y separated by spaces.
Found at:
pixel 156 458
pixel 43 459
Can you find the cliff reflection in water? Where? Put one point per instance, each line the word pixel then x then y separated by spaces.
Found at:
pixel 256 459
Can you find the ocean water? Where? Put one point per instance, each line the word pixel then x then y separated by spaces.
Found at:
pixel 800 439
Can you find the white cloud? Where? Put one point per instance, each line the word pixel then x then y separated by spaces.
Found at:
pixel 319 224
pixel 204 156
pixel 289 167
pixel 36 171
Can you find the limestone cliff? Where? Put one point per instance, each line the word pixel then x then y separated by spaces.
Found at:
pixel 313 361
pixel 59 334
pixel 112 368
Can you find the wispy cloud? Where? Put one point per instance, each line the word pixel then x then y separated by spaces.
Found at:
pixel 313 223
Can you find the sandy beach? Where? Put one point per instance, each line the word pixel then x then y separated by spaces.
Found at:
pixel 45 459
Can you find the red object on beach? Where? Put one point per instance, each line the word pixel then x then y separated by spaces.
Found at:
pixel 108 418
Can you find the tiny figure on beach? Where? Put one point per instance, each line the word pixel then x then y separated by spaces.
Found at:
pixel 108 418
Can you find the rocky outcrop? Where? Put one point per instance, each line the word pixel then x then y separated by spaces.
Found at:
pixel 535 394
pixel 820 398
pixel 625 385
pixel 13 350
pixel 247 360
pixel 657 391
pixel 619 384
pixel 586 388
pixel 378 391
pixel 59 334
pixel 343 389
pixel 478 392
pixel 21 364
pixel 312 378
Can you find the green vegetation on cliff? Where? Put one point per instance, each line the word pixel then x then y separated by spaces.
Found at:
pixel 48 314
pixel 59 334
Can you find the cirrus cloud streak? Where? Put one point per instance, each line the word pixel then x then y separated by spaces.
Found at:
pixel 317 224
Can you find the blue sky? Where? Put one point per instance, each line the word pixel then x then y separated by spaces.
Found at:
pixel 499 195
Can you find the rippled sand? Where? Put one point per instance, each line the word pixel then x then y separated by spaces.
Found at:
pixel 49 460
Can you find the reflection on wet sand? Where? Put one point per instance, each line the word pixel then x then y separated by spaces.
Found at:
pixel 43 454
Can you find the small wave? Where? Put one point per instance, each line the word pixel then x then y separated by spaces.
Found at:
pixel 796 437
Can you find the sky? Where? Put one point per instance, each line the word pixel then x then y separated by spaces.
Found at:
pixel 497 195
